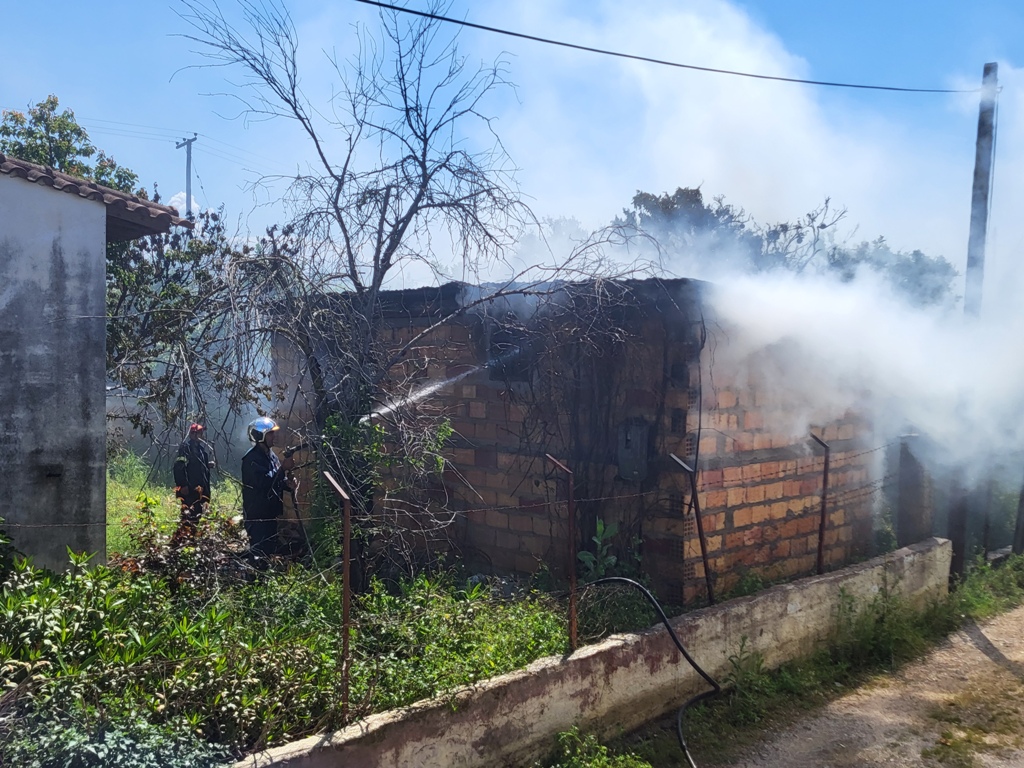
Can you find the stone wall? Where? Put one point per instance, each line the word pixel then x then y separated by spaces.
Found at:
pixel 616 685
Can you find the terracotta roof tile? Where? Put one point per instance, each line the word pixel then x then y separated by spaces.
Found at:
pixel 128 216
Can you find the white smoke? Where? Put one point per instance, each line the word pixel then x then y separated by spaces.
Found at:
pixel 835 346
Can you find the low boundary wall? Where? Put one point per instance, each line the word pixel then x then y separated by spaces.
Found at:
pixel 615 685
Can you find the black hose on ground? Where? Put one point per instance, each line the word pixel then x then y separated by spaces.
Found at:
pixel 715 687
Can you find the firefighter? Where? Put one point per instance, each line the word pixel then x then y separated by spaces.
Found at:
pixel 192 478
pixel 264 484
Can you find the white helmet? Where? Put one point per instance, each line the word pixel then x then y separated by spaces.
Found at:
pixel 259 428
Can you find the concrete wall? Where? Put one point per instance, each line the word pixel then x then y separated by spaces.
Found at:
pixel 615 685
pixel 52 371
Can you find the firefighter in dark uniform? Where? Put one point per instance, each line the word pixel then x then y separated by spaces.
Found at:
pixel 192 478
pixel 264 483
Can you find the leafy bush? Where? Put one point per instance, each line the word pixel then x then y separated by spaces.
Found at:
pixel 610 608
pixel 576 750
pixel 248 664
pixel 41 742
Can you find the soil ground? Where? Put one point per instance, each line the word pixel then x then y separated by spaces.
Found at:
pixel 962 705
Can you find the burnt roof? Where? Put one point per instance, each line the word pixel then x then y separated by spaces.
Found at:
pixel 128 216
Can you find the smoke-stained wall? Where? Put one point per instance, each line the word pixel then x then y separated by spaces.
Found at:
pixel 52 371
pixel 614 407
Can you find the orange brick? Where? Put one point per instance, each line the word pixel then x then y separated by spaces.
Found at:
pixel 709 445
pixel 760 513
pixel 791 488
pixel 762 442
pixel 743 442
pixel 838 517
pixel 714 543
pixel 732 475
pixel 715 499
pixel 753 420
pixel 782 549
pixel 775 490
pixel 714 522
pixel 742 517
pixel 711 478
pixel 807 524
pixel 734 496
pixel 755 493
pixel 725 398
pixel 780 510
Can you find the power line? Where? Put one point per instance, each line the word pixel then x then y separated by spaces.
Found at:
pixel 661 62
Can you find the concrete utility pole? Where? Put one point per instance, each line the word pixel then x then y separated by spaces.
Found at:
pixel 980 196
pixel 187 144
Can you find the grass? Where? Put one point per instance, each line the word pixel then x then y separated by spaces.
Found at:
pixel 181 648
pixel 987 717
pixel 189 641
pixel 133 490
pixel 868 640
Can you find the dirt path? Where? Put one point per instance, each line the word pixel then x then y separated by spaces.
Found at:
pixel 961 706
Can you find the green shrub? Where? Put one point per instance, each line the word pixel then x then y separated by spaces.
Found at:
pixel 610 608
pixel 576 750
pixel 41 742
pixel 249 664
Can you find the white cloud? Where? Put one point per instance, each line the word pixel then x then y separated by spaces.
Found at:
pixel 177 202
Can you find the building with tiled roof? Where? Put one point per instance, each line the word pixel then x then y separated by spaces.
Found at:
pixel 54 230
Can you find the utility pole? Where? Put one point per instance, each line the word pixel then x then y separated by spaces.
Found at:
pixel 985 148
pixel 187 144
pixel 974 278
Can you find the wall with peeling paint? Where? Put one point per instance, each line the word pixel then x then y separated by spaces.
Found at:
pixel 618 684
pixel 52 371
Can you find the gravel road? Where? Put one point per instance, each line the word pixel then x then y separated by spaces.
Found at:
pixel 960 706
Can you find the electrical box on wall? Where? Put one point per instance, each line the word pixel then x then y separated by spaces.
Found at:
pixel 632 449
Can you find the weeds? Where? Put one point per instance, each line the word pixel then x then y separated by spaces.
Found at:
pixel 577 750
pixel 241 665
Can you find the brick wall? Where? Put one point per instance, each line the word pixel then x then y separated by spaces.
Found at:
pixel 759 486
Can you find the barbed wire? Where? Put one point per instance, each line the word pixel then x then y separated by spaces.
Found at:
pixel 510 507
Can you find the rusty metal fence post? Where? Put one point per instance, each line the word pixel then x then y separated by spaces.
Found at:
pixel 571 511
pixel 824 505
pixel 346 588
pixel 708 580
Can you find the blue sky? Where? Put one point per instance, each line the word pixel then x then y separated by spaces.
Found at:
pixel 587 132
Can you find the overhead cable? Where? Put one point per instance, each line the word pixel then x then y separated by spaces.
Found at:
pixel 662 62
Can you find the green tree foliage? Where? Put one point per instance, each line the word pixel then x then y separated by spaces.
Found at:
pixel 49 136
pixel 683 222
pixel 685 225
pixel 170 307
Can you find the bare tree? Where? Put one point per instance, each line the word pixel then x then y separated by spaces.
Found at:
pixel 394 182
